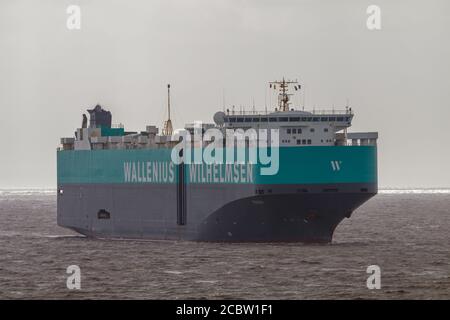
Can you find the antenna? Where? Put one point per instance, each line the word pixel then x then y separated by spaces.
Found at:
pixel 223 100
pixel 168 129
pixel 304 98
pixel 283 95
pixel 265 100
pixel 168 99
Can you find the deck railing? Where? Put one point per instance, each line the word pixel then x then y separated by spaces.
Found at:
pixel 242 112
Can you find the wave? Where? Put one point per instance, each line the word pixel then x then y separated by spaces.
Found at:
pixel 414 191
pixel 13 234
pixel 48 191
pixel 26 192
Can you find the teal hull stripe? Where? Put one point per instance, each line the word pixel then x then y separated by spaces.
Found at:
pixel 297 165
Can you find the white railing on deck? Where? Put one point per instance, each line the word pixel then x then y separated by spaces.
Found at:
pixel 244 112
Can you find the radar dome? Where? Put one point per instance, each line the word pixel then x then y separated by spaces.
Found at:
pixel 219 118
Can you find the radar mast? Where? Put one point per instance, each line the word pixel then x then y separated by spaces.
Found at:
pixel 283 95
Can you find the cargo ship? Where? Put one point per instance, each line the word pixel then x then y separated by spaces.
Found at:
pixel 113 183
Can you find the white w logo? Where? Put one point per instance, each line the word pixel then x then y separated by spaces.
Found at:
pixel 336 165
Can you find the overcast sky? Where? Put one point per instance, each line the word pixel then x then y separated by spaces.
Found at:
pixel 396 79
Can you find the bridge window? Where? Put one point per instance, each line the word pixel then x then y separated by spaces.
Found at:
pixel 240 119
pixel 294 119
pixel 232 119
pixel 273 119
pixel 340 118
pixel 315 119
pixel 248 119
pixel 255 119
pixel 263 119
pixel 284 119
pixel 332 119
pixel 324 119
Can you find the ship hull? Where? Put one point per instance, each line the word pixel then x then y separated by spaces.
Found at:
pixel 141 194
pixel 234 213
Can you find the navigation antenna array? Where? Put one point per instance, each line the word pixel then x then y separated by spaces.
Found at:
pixel 283 89
pixel 168 129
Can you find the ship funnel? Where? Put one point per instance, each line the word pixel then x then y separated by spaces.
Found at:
pixel 99 117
